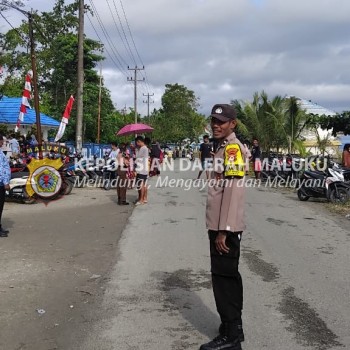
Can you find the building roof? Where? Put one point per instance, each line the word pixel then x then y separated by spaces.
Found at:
pixel 314 108
pixel 9 111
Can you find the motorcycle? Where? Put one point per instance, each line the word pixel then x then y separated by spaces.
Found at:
pixel 18 191
pixel 328 184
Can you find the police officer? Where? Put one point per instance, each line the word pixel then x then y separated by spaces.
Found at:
pixel 5 177
pixel 225 224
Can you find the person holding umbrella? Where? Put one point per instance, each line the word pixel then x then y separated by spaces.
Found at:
pixel 142 169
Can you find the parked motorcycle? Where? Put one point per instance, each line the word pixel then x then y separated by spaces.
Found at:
pixel 18 191
pixel 328 184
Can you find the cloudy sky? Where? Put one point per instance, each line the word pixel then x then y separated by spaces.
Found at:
pixel 224 49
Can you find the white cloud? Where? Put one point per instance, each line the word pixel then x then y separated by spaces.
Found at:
pixel 227 49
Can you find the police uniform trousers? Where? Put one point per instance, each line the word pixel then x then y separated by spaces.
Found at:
pixel 226 279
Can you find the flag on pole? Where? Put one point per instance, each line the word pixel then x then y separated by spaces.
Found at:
pixel 26 96
pixel 65 119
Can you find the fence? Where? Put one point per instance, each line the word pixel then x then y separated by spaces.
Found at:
pixel 90 149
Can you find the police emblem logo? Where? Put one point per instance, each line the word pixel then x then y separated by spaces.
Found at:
pixel 45 181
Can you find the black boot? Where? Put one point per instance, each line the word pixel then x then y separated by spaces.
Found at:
pixel 3 232
pixel 228 340
pixel 239 331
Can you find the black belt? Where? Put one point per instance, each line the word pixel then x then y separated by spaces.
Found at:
pixel 233 177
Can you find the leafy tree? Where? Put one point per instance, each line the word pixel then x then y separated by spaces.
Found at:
pixel 56 53
pixel 339 123
pixel 277 123
pixel 6 4
pixel 178 118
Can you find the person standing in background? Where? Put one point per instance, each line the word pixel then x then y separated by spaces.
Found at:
pixel 142 169
pixel 256 158
pixel 122 169
pixel 5 177
pixel 5 147
pixel 205 155
pixel 346 156
pixel 14 145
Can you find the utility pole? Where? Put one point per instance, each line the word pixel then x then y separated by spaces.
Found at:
pixel 123 112
pixel 80 89
pixel 29 15
pixel 148 102
pixel 99 108
pixel 135 80
pixel 35 80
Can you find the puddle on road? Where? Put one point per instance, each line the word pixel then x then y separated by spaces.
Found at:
pixel 306 324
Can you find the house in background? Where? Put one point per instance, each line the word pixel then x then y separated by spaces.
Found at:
pixel 310 136
pixel 9 111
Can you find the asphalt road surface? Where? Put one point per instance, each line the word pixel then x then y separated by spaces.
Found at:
pixel 151 289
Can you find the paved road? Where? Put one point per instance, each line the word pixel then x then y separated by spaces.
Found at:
pixel 294 264
pixel 151 289
pixel 56 258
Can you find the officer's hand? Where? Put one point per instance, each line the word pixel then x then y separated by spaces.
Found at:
pixel 220 243
pixel 7 187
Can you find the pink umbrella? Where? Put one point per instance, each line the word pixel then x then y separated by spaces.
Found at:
pixel 138 128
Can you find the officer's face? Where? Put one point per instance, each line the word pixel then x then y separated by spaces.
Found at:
pixel 221 129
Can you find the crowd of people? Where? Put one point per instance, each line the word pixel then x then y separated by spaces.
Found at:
pixel 135 161
pixel 15 147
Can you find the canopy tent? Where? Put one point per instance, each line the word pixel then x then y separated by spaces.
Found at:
pixel 9 111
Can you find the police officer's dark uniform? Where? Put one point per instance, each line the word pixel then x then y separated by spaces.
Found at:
pixel 225 218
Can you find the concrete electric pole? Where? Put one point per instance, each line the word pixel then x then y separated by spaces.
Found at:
pixel 148 102
pixel 135 80
pixel 80 89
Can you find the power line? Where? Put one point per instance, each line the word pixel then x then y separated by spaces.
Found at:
pixel 15 29
pixel 132 38
pixel 134 44
pixel 125 40
pixel 119 67
pixel 108 38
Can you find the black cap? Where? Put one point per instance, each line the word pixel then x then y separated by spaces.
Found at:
pixel 223 112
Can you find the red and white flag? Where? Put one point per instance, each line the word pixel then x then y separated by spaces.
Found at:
pixel 26 96
pixel 65 118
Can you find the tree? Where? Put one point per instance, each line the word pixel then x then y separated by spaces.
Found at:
pixel 6 4
pixel 276 123
pixel 257 121
pixel 178 118
pixel 56 53
pixel 339 123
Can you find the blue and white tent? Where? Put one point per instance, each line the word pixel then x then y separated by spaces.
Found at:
pixel 9 110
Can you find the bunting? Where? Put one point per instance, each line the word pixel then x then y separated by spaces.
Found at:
pixel 65 119
pixel 26 96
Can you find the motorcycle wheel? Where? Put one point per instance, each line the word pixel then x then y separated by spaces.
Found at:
pixel 27 199
pixel 67 187
pixel 341 197
pixel 302 196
